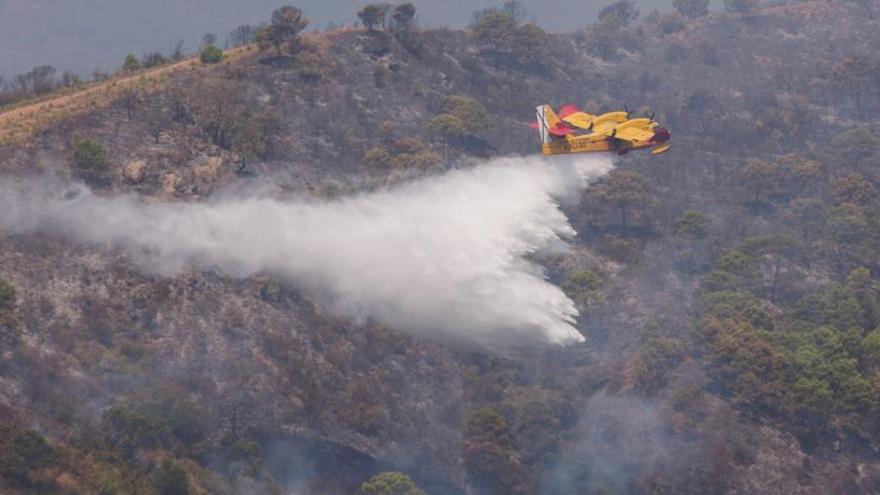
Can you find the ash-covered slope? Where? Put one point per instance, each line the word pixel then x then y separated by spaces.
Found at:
pixel 247 382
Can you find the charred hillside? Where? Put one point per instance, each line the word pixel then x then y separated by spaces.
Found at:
pixel 728 288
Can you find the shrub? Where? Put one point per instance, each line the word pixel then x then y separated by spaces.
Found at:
pixel 283 30
pixel 153 59
pixel 739 6
pixel 242 457
pixel 379 158
pixel 658 355
pixel 488 456
pixel 620 250
pixel 7 294
pixel 211 55
pixel 390 483
pixel 473 114
pixel 131 63
pixel 170 479
pixel 377 44
pixel 403 16
pixel 448 126
pixel 692 224
pixel 671 23
pixel 23 451
pixel 90 159
pixel 624 11
pixel 691 8
pixel 232 317
pixel 130 430
pixel 501 36
pixel 583 287
pixel 311 66
pixel 371 15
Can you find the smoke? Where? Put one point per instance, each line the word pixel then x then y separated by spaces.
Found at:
pixel 450 256
pixel 620 441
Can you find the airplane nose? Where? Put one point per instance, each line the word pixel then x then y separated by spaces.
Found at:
pixel 661 135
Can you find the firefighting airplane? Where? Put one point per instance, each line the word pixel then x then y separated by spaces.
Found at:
pixel 574 131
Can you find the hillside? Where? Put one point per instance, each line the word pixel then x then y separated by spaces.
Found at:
pixel 728 288
pixel 84 35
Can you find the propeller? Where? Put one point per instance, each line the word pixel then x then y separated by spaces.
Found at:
pixel 627 110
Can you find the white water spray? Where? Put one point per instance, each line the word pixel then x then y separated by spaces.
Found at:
pixel 443 255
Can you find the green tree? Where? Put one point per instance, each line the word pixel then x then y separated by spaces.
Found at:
pixel 222 107
pixel 488 457
pixel 691 8
pixel 7 294
pixel 449 127
pixel 244 34
pixel 740 6
pixel 658 354
pixel 528 44
pixel 854 189
pixel 700 102
pixel 379 158
pixel 760 177
pixel 283 30
pixel 490 20
pixel 390 483
pixel 472 114
pixel 403 16
pixel 735 270
pixel 625 190
pixel 130 430
pixel 90 160
pixel 131 63
pixel 583 286
pixel 371 15
pixel 540 417
pixel 834 307
pixel 515 9
pixel 780 250
pixel 624 11
pixel 501 37
pixel 798 174
pixel 692 224
pixel 249 138
pixel 871 350
pixel 170 479
pixel 861 285
pixel 847 229
pixel 855 78
pixel 807 215
pixel 153 59
pixel 604 37
pixel 210 54
pixel 856 144
pixel 23 451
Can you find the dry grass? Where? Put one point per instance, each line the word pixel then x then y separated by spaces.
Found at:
pixel 23 120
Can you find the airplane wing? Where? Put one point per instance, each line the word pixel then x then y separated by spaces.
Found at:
pixel 634 134
pixel 581 120
pixel 604 127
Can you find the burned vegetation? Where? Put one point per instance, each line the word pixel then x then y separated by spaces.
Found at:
pixel 728 289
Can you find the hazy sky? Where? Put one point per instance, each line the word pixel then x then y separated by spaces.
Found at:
pixel 86 34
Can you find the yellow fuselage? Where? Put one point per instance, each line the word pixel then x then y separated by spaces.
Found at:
pixel 577 144
pixel 587 143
